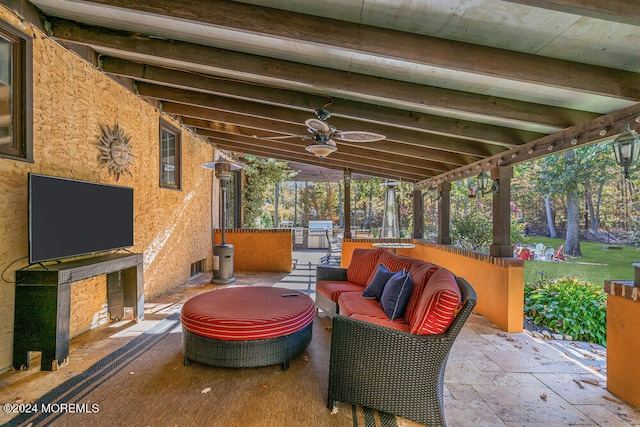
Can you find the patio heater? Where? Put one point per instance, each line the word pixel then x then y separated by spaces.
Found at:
pixel 222 253
pixel 391 217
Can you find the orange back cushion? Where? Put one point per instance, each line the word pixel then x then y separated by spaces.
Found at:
pixel 363 264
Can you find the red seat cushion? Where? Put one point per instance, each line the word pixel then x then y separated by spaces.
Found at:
pixel 353 302
pixel 332 289
pixel 438 304
pixel 247 313
pixel 363 264
pixel 353 305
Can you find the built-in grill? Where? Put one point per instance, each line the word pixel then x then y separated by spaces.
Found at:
pixel 318 234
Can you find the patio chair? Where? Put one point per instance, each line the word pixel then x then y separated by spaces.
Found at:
pixel 334 253
pixel 548 254
pixel 559 255
pixel 393 371
pixel 538 252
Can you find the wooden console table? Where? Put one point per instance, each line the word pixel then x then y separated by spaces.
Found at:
pixel 43 303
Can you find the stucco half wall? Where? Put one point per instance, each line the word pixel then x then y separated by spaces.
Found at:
pixel 499 282
pixel 259 249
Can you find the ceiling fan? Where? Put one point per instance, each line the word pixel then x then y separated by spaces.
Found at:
pixel 325 136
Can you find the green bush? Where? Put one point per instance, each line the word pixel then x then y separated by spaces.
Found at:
pixel 475 230
pixel 568 306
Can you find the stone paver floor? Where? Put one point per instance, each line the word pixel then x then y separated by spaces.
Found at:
pixel 492 378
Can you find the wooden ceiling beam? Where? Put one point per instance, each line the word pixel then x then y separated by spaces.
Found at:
pixel 360 155
pixel 410 120
pixel 335 83
pixel 571 138
pixel 622 11
pixel 396 45
pixel 287 115
pixel 329 162
pixel 362 151
pixel 382 147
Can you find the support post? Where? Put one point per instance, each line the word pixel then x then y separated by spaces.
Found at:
pixel 238 211
pixel 444 214
pixel 501 246
pixel 418 214
pixel 347 203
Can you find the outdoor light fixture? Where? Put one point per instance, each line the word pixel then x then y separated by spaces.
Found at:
pixel 321 150
pixel 483 184
pixel 626 147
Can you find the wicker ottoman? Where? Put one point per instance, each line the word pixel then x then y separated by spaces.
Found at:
pixel 243 327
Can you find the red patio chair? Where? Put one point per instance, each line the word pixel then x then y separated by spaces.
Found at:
pixel 559 255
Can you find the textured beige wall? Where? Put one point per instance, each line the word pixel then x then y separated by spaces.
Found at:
pixel 172 228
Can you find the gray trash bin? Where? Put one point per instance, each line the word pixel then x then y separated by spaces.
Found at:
pixel 223 264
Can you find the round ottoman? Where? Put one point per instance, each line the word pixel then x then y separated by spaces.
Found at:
pixel 242 327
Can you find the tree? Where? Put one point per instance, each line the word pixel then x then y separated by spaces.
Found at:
pixel 563 174
pixel 260 177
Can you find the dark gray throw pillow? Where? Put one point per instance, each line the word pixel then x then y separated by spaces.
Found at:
pixel 396 294
pixel 375 287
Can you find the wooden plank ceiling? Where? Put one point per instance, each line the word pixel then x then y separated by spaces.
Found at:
pixel 456 86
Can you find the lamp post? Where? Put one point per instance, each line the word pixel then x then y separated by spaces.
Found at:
pixel 626 147
pixel 222 253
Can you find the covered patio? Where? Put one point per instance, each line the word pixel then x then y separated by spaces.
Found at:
pixel 493 378
pixel 451 90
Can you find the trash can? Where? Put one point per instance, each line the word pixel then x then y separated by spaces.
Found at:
pixel 222 265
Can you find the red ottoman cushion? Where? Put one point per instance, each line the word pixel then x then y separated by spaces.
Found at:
pixel 247 313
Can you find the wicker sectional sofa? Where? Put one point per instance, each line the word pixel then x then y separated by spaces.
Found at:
pixel 394 366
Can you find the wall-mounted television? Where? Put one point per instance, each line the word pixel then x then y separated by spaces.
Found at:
pixel 69 217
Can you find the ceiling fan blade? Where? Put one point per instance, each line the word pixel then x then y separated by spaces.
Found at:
pixel 358 136
pixel 317 125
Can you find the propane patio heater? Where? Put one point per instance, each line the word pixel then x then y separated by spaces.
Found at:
pixel 391 217
pixel 222 253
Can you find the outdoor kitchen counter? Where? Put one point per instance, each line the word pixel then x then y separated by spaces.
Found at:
pixel 623 340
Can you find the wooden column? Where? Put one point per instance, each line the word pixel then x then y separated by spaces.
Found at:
pixel 501 246
pixel 238 213
pixel 347 203
pixel 418 214
pixel 444 214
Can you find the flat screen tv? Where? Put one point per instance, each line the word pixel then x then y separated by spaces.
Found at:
pixel 69 217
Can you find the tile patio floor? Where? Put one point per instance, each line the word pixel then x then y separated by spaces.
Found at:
pixel 492 378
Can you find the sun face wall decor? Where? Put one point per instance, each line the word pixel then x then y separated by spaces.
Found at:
pixel 115 151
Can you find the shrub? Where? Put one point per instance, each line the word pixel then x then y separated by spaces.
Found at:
pixel 475 230
pixel 568 306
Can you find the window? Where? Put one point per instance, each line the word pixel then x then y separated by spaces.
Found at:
pixel 15 94
pixel 170 162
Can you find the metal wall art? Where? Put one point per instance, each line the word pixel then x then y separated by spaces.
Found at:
pixel 115 151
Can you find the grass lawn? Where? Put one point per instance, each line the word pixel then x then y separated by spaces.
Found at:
pixel 596 265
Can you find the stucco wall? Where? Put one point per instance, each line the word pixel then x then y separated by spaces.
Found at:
pixel 172 228
pixel 259 250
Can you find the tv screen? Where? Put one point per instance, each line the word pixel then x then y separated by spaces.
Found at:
pixel 70 217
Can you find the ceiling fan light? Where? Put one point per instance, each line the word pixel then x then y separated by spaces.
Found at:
pixel 321 150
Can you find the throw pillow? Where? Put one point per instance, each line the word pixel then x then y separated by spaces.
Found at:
pixel 396 293
pixel 438 304
pixel 376 285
